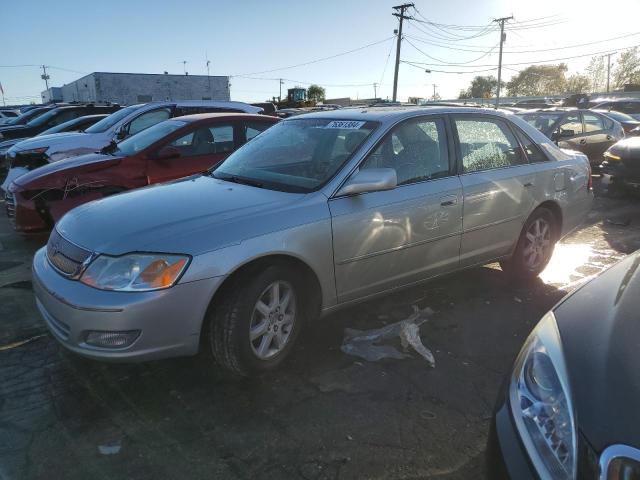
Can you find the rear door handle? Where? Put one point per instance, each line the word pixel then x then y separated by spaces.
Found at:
pixel 583 141
pixel 448 201
pixel 528 184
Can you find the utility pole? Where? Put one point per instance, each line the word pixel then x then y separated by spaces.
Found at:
pixel 206 56
pixel 608 55
pixel 184 64
pixel 45 77
pixel 280 96
pixel 375 90
pixel 401 9
pixel 502 39
pixel 434 90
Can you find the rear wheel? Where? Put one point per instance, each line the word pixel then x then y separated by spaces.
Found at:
pixel 535 246
pixel 254 327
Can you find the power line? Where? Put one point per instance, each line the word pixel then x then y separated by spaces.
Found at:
pixel 316 60
pixel 537 61
pixel 413 64
pixel 444 62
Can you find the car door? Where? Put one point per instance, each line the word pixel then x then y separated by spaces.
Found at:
pixel 497 184
pixel 387 239
pixel 570 133
pixel 197 150
pixel 597 135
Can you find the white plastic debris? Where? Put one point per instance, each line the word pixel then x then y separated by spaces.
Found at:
pixel 366 343
pixel 111 448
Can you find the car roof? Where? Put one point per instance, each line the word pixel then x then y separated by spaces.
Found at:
pixel 199 117
pixel 391 114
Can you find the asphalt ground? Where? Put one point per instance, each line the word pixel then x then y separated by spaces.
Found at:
pixel 324 415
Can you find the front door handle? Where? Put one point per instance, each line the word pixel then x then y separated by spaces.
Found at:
pixel 528 184
pixel 448 201
pixel 609 137
pixel 583 141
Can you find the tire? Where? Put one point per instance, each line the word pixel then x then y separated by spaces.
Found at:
pixel 535 246
pixel 245 305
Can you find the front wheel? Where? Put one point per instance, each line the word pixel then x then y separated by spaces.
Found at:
pixel 254 327
pixel 535 246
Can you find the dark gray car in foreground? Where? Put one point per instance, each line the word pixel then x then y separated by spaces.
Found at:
pixel 314 214
pixel 569 410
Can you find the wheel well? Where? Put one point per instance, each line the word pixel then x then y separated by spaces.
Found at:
pixel 557 215
pixel 313 302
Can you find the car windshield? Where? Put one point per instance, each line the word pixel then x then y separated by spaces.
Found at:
pixel 297 155
pixel 108 122
pixel 543 121
pixel 63 127
pixel 26 116
pixel 147 137
pixel 43 119
pixel 619 116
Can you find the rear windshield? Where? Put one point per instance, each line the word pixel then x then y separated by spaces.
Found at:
pixel 543 121
pixel 108 122
pixel 297 155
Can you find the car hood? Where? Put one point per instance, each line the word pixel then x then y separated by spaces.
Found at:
pixel 10 143
pixel 96 159
pixel 53 139
pixel 600 334
pixel 193 216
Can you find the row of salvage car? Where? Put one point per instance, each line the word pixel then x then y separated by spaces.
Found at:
pixel 273 230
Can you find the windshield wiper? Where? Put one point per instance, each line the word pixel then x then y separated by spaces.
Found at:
pixel 240 180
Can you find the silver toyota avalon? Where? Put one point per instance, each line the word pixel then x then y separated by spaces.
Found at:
pixel 316 213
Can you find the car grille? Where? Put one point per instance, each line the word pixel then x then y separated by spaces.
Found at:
pixel 620 462
pixel 10 205
pixel 65 256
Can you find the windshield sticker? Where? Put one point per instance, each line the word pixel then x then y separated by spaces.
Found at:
pixel 345 124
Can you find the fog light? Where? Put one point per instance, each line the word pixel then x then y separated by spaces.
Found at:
pixel 112 339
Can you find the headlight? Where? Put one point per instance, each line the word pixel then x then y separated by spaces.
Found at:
pixel 541 405
pixel 135 272
pixel 610 156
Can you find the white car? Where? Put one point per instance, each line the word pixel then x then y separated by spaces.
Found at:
pixel 6 115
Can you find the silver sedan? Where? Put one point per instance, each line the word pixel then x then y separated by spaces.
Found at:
pixel 316 213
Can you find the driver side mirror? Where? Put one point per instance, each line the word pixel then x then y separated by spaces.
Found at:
pixel 167 152
pixel 370 180
pixel 121 134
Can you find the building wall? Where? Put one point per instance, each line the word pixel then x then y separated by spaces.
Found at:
pixel 131 88
pixel 54 94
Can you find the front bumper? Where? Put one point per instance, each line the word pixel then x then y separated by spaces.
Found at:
pixel 616 173
pixel 506 457
pixel 23 213
pixel 169 321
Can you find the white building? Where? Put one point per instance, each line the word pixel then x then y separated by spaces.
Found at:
pixel 131 88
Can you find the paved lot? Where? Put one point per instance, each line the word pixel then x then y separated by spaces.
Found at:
pixel 324 415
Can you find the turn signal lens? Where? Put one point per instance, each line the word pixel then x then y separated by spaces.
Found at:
pixel 611 156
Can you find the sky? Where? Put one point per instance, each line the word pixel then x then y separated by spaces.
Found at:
pixel 253 40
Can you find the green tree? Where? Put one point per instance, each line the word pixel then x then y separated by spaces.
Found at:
pixel 481 87
pixel 538 80
pixel 627 69
pixel 597 73
pixel 316 93
pixel 578 83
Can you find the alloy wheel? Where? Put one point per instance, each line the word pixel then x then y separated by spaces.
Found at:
pixel 272 319
pixel 538 243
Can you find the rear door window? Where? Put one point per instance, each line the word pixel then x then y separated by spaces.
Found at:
pixel 487 143
pixel 592 123
pixel 533 152
pixel 571 125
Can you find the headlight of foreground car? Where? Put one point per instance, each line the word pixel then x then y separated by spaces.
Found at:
pixel 135 272
pixel 541 405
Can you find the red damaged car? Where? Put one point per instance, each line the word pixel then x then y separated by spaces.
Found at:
pixel 172 149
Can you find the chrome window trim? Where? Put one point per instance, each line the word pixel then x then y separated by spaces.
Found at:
pixel 616 451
